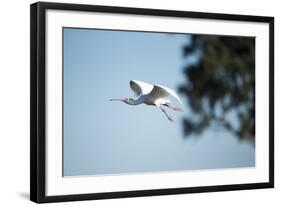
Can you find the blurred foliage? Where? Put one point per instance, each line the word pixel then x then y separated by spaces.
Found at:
pixel 220 84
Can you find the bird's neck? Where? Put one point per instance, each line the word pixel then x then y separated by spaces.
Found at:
pixel 133 101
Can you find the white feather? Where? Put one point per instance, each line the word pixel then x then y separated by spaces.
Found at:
pixel 160 91
pixel 140 88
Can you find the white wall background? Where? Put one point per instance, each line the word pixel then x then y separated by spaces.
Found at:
pixel 14 101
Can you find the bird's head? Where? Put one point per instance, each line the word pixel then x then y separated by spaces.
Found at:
pixel 125 100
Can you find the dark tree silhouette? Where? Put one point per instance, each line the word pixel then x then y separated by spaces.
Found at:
pixel 220 85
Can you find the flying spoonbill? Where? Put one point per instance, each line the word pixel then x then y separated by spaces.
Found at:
pixel 149 94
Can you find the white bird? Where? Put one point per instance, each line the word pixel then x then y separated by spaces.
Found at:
pixel 149 94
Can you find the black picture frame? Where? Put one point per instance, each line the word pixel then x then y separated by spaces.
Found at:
pixel 38 101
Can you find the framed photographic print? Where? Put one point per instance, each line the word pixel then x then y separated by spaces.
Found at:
pixel 129 102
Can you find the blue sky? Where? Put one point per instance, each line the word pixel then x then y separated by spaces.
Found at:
pixel 104 137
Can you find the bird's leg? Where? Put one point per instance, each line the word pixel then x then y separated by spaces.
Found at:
pixel 174 108
pixel 164 111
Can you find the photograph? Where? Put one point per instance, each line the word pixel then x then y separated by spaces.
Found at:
pixel 137 102
pixel 134 102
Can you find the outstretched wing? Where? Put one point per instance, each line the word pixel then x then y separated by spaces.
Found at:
pixel 140 88
pixel 160 91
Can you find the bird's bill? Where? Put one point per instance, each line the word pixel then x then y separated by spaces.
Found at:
pixel 116 99
pixel 125 100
